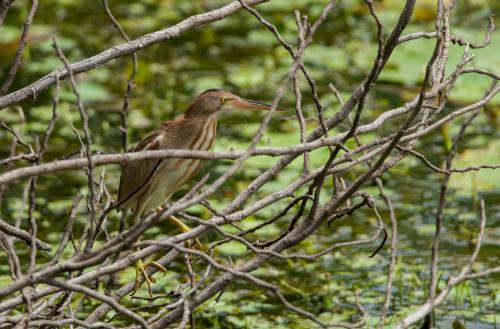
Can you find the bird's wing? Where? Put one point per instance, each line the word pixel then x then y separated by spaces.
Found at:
pixel 136 174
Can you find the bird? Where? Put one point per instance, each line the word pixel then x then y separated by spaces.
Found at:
pixel 149 184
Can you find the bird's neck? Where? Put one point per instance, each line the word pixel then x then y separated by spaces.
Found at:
pixel 204 130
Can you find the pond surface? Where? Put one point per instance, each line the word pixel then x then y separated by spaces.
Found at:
pixel 238 54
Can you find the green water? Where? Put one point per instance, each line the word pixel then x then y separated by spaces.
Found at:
pixel 238 54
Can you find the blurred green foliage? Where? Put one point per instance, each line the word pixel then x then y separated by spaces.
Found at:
pixel 240 55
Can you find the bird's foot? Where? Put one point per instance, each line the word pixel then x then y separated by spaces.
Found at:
pixel 184 228
pixel 140 270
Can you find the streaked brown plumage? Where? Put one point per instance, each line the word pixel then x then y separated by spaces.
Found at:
pixel 170 174
pixel 146 185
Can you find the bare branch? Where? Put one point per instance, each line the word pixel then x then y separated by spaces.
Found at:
pixel 92 293
pixel 123 49
pixel 20 48
pixel 23 235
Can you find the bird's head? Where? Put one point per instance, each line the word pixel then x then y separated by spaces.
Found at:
pixel 217 100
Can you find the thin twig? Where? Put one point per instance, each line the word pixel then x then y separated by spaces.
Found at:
pixel 20 48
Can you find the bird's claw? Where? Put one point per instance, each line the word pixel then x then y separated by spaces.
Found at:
pixel 140 270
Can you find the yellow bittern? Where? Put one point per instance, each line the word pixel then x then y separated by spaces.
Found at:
pixel 148 184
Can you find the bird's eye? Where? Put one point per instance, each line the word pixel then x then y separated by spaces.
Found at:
pixel 224 99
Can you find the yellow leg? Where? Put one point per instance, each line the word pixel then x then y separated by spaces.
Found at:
pixel 177 222
pixel 183 227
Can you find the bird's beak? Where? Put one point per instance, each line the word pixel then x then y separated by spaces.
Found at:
pixel 246 104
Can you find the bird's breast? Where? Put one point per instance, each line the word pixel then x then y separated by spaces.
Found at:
pixel 201 139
